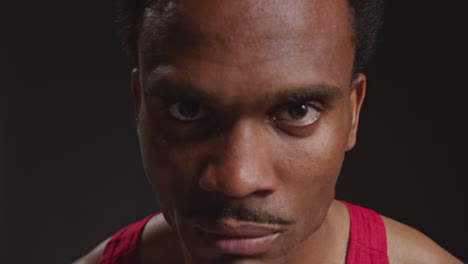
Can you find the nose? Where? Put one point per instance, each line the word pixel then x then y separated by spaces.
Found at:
pixel 239 164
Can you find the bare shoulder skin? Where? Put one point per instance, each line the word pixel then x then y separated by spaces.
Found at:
pixel 405 244
pixel 94 255
pixel 158 242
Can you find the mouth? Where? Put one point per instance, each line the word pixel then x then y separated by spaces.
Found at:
pixel 232 237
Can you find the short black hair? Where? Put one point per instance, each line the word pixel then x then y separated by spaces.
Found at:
pixel 367 22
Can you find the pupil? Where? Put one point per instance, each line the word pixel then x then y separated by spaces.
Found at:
pixel 297 111
pixel 189 109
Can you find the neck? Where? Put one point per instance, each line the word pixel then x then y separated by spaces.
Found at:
pixel 328 244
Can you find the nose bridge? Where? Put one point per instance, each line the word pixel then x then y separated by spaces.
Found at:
pixel 241 141
pixel 239 165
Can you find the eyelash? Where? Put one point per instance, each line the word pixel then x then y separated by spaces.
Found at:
pixel 167 103
pixel 312 104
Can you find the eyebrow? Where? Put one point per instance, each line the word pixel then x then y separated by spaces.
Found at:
pixel 321 92
pixel 171 91
pixel 168 90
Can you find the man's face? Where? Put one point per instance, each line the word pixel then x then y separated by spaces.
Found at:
pixel 247 109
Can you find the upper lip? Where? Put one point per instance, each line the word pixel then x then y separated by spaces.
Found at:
pixel 237 229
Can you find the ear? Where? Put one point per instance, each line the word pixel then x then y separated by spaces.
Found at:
pixel 136 91
pixel 356 99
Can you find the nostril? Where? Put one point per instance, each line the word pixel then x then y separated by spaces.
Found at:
pixel 238 166
pixel 263 193
pixel 236 183
pixel 208 184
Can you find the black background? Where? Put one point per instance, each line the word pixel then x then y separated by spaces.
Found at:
pixel 70 172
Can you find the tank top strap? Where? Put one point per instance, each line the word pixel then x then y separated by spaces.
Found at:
pixel 122 248
pixel 367 239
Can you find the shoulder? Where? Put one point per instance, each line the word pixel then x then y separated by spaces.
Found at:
pixel 94 255
pixel 407 245
pixel 158 241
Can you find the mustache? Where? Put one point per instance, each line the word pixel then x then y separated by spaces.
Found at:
pixel 240 213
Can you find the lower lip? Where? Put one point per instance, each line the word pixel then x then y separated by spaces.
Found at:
pixel 246 246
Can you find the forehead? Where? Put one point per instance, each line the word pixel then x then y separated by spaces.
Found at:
pixel 242 38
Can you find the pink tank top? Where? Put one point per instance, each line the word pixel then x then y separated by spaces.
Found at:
pixel 367 237
pixel 367 240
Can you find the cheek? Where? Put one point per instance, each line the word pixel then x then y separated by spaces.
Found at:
pixel 315 161
pixel 309 172
pixel 312 176
pixel 170 168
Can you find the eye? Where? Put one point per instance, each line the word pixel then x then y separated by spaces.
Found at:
pixel 186 111
pixel 297 114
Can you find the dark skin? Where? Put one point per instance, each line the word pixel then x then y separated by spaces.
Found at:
pixel 253 108
pixel 242 76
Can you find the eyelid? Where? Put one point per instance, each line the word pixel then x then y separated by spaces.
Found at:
pixel 169 101
pixel 317 105
pixel 166 105
pixel 173 112
pixel 300 123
